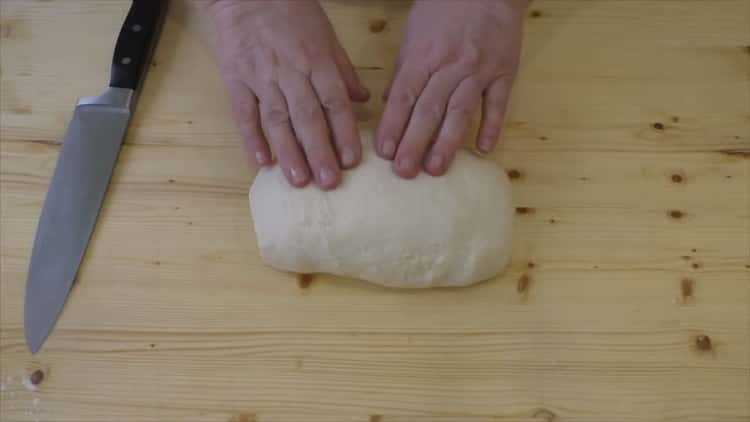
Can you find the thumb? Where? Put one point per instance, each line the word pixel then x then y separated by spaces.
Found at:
pixel 357 91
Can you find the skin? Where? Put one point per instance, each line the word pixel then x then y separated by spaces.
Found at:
pixel 454 55
pixel 292 85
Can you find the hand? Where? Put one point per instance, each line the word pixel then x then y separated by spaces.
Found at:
pixel 290 84
pixel 454 53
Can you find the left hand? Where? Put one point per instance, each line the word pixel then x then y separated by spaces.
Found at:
pixel 454 54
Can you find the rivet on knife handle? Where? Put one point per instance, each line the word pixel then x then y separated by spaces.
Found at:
pixel 136 42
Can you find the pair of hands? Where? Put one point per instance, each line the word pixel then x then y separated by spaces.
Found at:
pixel 292 85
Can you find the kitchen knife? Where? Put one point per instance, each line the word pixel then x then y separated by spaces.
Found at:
pixel 88 155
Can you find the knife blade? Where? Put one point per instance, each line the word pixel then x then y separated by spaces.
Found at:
pixel 84 167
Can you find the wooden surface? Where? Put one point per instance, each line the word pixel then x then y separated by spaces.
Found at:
pixel 630 133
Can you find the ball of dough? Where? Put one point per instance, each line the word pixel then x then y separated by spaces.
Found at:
pixel 453 230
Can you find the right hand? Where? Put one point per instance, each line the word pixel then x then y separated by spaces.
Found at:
pixel 291 85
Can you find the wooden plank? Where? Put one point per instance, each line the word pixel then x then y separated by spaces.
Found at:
pixel 175 318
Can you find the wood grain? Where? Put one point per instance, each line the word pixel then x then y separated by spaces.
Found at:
pixel 628 138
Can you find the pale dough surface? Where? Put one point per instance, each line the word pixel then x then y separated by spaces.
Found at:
pixel 453 230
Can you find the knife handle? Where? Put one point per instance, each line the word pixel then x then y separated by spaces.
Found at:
pixel 136 42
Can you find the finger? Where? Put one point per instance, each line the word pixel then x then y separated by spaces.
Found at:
pixel 425 120
pixel 494 106
pixel 311 129
pixel 356 90
pixel 407 86
pixel 396 69
pixel 339 114
pixel 246 115
pixel 461 108
pixel 278 129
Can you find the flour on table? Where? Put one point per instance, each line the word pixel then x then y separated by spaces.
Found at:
pixel 453 230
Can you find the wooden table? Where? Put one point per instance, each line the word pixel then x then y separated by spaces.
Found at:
pixel 629 134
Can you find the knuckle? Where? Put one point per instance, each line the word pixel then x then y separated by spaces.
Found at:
pixel 471 58
pixel 507 65
pixel 317 154
pixel 275 115
pixel 312 49
pixel 405 97
pixel 495 105
pixel 491 127
pixel 307 111
pixel 427 49
pixel 460 109
pixel 429 111
pixel 302 66
pixel 334 104
pixel 246 64
pixel 448 146
pixel 244 108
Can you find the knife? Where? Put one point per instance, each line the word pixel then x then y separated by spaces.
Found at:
pixel 89 151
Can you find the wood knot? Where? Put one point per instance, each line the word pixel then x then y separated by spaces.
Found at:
pixel 376 418
pixel 243 417
pixel 523 283
pixel 703 342
pixel 677 178
pixel 304 280
pixel 739 152
pixel 676 214
pixel 531 264
pixel 377 25
pixel 658 126
pixel 535 14
pixel 544 415
pixel 524 210
pixel 696 265
pixel 686 287
pixel 674 119
pixel 36 377
pixel 514 174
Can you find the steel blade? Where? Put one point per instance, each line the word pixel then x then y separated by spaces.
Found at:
pixel 82 173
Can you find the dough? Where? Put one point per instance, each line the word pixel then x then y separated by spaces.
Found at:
pixel 453 230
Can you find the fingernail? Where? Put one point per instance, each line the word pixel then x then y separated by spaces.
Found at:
pixel 261 158
pixel 406 165
pixel 347 157
pixel 326 176
pixel 389 148
pixel 435 163
pixel 298 175
pixel 485 145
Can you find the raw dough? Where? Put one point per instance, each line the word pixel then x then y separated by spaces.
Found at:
pixel 453 230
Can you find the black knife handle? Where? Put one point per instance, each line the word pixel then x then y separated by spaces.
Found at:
pixel 136 42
